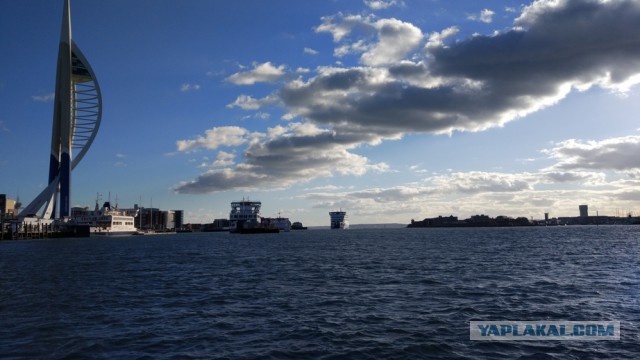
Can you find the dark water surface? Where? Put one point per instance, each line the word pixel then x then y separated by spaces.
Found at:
pixel 374 293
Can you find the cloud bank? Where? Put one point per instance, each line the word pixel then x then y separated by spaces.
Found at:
pixel 620 154
pixel 407 81
pixel 281 157
pixel 480 82
pixel 578 176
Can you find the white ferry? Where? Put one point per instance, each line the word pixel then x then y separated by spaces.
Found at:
pixel 283 224
pixel 339 219
pixel 245 218
pixel 106 221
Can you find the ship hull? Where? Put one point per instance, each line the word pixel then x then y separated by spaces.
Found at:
pixel 257 231
pixel 108 233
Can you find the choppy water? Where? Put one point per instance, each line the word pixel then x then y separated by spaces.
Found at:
pixel 378 293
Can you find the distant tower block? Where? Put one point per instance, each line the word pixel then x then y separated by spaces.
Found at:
pixel 584 210
pixel 76 119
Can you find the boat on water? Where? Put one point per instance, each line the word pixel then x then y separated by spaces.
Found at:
pixel 106 221
pixel 245 218
pixel 339 219
pixel 298 226
pixel 281 223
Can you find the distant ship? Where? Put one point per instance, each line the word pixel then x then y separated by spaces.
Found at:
pixel 105 221
pixel 282 223
pixel 298 226
pixel 244 218
pixel 339 219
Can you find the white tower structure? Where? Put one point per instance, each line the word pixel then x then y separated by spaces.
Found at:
pixel 76 119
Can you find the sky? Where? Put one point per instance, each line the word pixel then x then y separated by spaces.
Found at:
pixel 389 109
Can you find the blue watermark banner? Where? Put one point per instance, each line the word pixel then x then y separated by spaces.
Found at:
pixel 544 330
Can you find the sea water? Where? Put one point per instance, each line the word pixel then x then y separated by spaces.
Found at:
pixel 359 293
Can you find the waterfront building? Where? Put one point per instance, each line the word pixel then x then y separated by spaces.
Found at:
pixel 76 119
pixel 151 219
pixel 172 220
pixel 169 219
pixel 221 224
pixel 178 219
pixel 7 207
pixel 155 219
pixel 584 211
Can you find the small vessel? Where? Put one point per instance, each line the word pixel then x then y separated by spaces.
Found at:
pixel 244 218
pixel 105 221
pixel 281 223
pixel 298 226
pixel 339 219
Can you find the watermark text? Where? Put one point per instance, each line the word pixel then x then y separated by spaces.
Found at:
pixel 544 330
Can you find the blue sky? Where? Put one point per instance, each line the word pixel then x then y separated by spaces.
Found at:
pixel 391 110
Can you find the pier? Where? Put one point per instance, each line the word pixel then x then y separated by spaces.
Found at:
pixel 11 229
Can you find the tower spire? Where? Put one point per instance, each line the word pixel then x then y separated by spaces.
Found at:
pixel 60 163
pixel 77 111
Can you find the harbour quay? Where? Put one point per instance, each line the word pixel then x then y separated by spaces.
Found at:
pixel 31 228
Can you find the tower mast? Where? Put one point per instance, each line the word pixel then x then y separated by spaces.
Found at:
pixel 61 135
pixel 77 112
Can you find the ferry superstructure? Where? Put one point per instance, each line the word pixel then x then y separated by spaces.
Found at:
pixel 339 219
pixel 244 214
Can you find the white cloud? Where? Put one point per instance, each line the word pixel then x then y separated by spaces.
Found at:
pixel 223 159
pixel 385 40
pixel 189 87
pixel 354 48
pixel 121 160
pixel 264 72
pixel 436 39
pixel 479 182
pixel 340 26
pixel 311 51
pixel 246 102
pixel 214 138
pixel 395 39
pixel 286 155
pixel 485 16
pixel 620 154
pixel 44 98
pixel 258 115
pixel 382 4
pixel 418 169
